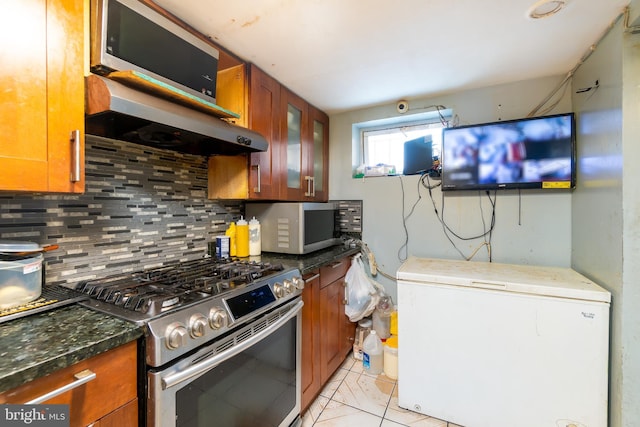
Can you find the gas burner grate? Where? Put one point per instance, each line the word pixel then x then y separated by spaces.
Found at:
pixel 160 289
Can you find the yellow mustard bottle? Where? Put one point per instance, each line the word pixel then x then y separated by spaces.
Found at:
pixel 242 238
pixel 231 232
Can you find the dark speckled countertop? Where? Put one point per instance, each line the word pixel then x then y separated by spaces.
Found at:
pixel 312 261
pixel 37 345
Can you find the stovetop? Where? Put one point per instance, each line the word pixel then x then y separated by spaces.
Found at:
pixel 185 305
pixel 150 293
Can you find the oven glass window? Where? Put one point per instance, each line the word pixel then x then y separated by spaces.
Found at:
pixel 254 388
pixel 318 225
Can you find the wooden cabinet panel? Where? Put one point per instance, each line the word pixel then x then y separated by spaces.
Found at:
pixel 115 385
pixel 331 313
pixel 311 381
pixel 327 333
pixel 42 101
pixel 294 123
pixel 264 104
pixel 334 271
pixel 316 156
pixel 125 416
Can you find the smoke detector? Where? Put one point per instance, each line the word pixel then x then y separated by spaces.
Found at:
pixel 545 8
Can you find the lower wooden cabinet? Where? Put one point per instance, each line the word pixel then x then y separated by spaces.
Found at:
pixel 327 333
pixel 109 399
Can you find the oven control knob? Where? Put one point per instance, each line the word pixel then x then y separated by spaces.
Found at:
pixel 197 325
pixel 176 335
pixel 217 318
pixel 278 289
pixel 288 286
pixel 298 282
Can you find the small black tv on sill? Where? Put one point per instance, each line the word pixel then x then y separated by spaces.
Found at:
pixel 418 155
pixel 534 152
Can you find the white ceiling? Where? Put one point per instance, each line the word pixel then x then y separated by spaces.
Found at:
pixel 346 54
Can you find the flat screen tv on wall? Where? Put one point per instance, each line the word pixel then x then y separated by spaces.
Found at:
pixel 533 152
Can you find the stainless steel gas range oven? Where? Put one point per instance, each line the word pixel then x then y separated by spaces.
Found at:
pixel 222 340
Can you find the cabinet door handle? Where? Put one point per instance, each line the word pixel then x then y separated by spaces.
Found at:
pixel 314 277
pixel 308 192
pixel 313 186
pixel 75 156
pixel 336 265
pixel 257 189
pixel 345 301
pixel 81 377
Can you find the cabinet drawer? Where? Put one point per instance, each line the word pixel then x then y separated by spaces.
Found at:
pixel 113 386
pixel 332 272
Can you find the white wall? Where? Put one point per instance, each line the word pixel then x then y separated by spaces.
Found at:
pixel 606 207
pixel 532 229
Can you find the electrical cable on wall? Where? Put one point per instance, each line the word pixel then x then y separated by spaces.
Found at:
pixel 486 233
pixel 567 79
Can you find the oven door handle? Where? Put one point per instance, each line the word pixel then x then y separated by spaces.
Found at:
pixel 211 362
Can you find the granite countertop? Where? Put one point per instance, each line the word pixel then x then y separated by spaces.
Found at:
pixel 37 345
pixel 312 261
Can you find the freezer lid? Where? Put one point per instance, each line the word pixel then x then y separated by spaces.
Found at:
pixel 536 280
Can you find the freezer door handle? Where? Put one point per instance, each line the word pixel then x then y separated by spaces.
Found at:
pixel 488 285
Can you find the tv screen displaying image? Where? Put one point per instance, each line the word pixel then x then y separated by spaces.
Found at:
pixel 536 152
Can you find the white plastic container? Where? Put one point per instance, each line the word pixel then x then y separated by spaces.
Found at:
pixel 362 332
pixel 391 357
pixel 255 239
pixel 372 357
pixel 20 281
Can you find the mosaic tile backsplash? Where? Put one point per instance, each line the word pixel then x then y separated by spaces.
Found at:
pixel 142 207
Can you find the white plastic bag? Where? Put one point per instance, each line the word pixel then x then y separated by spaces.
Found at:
pixel 362 293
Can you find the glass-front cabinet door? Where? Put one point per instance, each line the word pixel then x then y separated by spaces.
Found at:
pixel 317 161
pixel 305 134
pixel 294 130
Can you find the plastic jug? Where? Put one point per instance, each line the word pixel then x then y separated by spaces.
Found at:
pixel 362 332
pixel 242 238
pixel 372 358
pixel 255 243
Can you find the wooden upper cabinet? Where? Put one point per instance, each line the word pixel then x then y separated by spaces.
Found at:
pixel 252 176
pixel 316 156
pixel 264 104
pixel 294 128
pixel 295 167
pixel 305 134
pixel 42 97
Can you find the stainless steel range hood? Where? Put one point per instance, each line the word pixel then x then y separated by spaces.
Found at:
pixel 117 111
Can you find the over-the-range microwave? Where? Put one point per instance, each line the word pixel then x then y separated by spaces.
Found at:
pixel 127 35
pixel 296 227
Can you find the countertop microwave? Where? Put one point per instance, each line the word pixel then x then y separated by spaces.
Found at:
pixel 296 227
pixel 127 35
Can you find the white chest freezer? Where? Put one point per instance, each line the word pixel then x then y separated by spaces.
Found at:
pixel 498 345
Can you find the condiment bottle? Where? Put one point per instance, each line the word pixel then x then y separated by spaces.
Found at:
pixel 231 232
pixel 242 238
pixel 255 243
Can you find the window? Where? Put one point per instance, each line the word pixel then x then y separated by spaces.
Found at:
pixel 382 142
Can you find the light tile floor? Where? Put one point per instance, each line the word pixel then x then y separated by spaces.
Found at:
pixel 353 397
